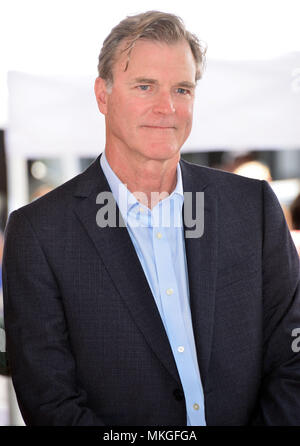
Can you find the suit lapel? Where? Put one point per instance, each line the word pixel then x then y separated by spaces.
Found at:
pixel 117 252
pixel 201 256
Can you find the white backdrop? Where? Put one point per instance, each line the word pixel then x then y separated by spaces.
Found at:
pixel 63 37
pixel 239 104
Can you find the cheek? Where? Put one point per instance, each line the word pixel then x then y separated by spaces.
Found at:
pixel 186 116
pixel 128 111
pixel 119 114
pixel 135 108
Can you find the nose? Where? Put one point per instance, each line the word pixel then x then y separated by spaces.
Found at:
pixel 164 104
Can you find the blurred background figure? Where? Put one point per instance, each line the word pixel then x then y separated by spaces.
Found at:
pixel 40 191
pixel 254 169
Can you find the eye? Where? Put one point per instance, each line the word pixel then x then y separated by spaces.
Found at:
pixel 143 87
pixel 182 91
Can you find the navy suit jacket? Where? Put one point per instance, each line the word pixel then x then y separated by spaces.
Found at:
pixel 86 343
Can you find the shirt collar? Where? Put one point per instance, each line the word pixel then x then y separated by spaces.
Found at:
pixel 126 201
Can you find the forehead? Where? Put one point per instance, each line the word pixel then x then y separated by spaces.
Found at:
pixel 156 58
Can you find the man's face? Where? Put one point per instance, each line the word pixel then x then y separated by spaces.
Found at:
pixel 150 108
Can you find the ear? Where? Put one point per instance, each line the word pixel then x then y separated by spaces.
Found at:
pixel 101 94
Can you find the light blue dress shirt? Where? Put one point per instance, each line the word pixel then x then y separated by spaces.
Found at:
pixel 158 239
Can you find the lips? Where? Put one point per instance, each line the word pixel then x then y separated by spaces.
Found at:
pixel 159 127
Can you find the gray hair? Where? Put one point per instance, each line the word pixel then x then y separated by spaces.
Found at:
pixel 152 25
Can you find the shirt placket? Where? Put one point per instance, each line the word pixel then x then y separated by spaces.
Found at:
pixel 173 320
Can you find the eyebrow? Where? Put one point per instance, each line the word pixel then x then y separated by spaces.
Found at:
pixel 145 80
pixel 186 84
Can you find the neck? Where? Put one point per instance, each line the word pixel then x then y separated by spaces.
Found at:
pixel 149 180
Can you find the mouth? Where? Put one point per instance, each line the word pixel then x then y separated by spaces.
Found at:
pixel 159 127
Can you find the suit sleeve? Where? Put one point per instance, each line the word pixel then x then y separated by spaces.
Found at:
pixel 39 351
pixel 279 401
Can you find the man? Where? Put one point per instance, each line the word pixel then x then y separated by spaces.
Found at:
pixel 143 321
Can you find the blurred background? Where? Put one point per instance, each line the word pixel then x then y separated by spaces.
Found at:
pixel 247 110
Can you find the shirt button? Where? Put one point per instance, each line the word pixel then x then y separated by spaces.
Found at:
pixel 181 349
pixel 169 291
pixel 196 406
pixel 141 209
pixel 159 235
